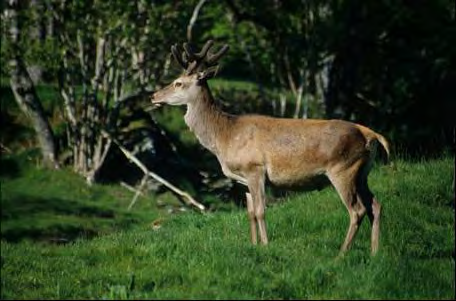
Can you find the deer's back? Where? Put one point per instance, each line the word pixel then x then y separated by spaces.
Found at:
pixel 295 152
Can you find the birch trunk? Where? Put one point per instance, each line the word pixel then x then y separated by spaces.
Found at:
pixel 25 93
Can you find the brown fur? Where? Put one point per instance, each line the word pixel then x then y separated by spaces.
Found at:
pixel 290 153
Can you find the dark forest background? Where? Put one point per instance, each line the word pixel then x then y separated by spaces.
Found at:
pixel 79 69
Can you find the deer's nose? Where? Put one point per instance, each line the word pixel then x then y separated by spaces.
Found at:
pixel 156 100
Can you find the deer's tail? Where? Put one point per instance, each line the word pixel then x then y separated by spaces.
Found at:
pixel 373 136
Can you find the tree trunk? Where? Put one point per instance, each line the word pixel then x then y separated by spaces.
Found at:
pixel 193 19
pixel 26 97
pixel 25 94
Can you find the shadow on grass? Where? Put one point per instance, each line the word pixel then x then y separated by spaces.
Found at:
pixel 56 220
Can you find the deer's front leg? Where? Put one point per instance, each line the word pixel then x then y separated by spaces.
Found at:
pixel 256 187
pixel 252 218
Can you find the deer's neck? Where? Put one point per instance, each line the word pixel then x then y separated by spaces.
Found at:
pixel 207 121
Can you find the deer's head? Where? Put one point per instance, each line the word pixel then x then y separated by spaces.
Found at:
pixel 198 68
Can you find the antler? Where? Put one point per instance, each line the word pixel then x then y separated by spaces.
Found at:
pixel 194 62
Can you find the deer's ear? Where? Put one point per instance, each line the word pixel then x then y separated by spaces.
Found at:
pixel 208 73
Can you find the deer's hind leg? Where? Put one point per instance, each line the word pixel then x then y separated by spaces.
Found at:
pixel 345 183
pixel 373 208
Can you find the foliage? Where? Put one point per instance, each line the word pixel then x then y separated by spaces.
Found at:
pixel 387 65
pixel 393 68
pixel 103 55
pixel 209 256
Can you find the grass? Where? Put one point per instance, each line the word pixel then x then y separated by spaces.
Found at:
pixel 46 205
pixel 208 256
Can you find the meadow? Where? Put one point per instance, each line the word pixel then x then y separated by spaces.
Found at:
pixel 384 64
pixel 62 239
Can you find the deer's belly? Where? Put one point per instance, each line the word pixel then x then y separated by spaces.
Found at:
pixel 297 179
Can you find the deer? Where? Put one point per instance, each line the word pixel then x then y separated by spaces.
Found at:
pixel 259 150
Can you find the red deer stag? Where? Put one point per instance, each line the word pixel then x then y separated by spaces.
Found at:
pixel 290 153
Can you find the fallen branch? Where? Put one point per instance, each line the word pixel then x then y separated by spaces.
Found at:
pixel 129 187
pixel 187 198
pixel 138 192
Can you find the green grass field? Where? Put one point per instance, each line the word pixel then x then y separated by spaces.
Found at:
pixel 113 253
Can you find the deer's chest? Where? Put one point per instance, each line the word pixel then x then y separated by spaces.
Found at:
pixel 239 163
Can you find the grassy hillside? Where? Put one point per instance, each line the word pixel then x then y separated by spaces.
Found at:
pixel 208 256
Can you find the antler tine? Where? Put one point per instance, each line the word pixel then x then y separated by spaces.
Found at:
pixel 179 58
pixel 192 61
pixel 188 50
pixel 205 49
pixel 192 67
pixel 196 59
pixel 213 58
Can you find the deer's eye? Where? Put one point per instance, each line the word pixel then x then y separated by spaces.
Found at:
pixel 177 84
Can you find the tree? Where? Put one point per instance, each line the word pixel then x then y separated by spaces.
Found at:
pixel 102 54
pixel 112 50
pixel 285 46
pixel 23 87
